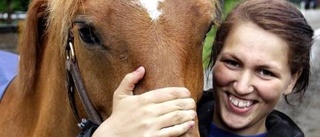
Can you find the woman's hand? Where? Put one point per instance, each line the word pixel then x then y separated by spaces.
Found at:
pixel 163 112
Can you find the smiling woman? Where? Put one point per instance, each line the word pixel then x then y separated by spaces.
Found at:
pixel 261 53
pixel 248 86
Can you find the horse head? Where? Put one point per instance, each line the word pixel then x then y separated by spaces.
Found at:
pixel 111 38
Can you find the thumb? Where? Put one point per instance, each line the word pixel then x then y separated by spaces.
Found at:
pixel 128 83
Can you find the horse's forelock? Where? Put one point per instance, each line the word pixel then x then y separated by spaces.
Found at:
pixel 60 18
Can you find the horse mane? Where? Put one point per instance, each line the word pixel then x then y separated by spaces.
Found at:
pixel 46 20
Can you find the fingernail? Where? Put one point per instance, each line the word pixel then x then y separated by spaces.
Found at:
pixel 195 114
pixel 185 90
pixel 191 124
pixel 138 69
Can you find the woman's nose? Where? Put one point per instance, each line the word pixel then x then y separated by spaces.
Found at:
pixel 243 83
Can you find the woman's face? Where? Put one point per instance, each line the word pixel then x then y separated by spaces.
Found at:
pixel 251 73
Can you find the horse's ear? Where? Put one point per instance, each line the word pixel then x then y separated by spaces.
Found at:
pixel 30 44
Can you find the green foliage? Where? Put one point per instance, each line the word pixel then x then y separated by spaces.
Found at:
pixel 228 6
pixel 208 46
pixel 2 5
pixel 17 5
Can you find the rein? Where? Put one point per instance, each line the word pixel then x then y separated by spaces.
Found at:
pixel 74 81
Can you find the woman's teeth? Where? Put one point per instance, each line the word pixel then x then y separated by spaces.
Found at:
pixel 240 103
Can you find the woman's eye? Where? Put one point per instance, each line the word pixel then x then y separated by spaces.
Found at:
pixel 88 36
pixel 266 73
pixel 232 63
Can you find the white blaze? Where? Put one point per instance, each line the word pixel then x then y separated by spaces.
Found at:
pixel 152 8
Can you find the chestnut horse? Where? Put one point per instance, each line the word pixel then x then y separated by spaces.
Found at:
pixel 104 39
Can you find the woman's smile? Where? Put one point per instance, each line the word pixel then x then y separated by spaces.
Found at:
pixel 240 103
pixel 249 85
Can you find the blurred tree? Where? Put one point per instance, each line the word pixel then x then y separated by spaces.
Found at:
pixel 17 5
pixel 24 5
pixel 10 6
pixel 20 5
pixel 9 11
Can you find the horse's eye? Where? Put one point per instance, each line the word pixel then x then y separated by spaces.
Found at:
pixel 88 36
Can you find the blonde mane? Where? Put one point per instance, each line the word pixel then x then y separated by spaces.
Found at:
pixel 60 19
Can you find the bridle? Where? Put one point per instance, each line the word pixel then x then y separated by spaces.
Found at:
pixel 75 83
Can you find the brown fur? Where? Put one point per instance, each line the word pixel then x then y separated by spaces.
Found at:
pixel 36 103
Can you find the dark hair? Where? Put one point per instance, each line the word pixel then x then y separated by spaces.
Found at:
pixel 278 17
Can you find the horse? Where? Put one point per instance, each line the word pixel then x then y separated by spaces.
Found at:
pixel 68 46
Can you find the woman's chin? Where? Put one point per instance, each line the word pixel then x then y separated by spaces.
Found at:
pixel 234 123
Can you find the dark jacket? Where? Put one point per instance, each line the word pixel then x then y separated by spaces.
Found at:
pixel 278 124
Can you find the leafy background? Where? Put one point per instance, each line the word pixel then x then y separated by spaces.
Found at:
pixel 17 5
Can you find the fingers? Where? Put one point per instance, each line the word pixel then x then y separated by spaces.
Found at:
pixel 176 117
pixel 161 112
pixel 155 96
pixel 175 105
pixel 165 94
pixel 128 83
pixel 176 130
